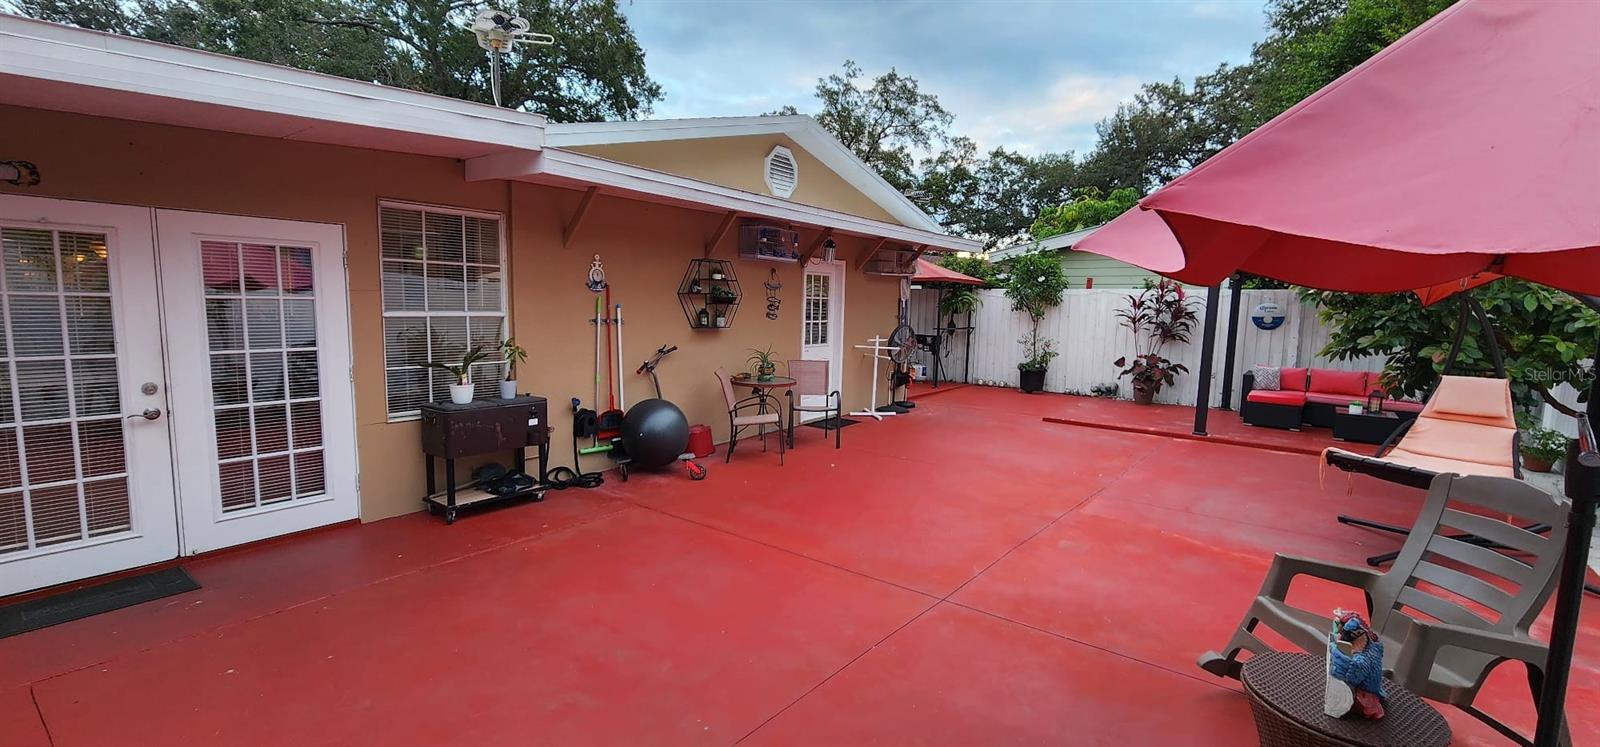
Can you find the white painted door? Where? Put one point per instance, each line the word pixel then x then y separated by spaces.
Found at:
pixel 262 408
pixel 85 476
pixel 822 323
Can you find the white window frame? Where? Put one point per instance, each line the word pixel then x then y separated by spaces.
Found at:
pixel 505 285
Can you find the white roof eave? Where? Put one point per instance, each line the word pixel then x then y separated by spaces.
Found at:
pixel 50 66
pixel 803 130
pixel 569 168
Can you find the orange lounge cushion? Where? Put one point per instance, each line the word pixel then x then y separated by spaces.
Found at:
pixel 1291 399
pixel 1482 400
pixel 1457 441
pixel 1350 383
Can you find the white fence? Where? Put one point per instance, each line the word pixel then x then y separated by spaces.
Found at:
pixel 1089 338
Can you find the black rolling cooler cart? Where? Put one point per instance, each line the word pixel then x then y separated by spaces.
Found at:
pixel 451 431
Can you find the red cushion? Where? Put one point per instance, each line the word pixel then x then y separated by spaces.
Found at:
pixel 1294 399
pixel 1292 379
pixel 1325 381
pixel 1400 405
pixel 1337 400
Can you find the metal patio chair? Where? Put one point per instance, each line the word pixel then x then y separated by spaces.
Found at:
pixel 1435 643
pixel 766 414
pixel 811 380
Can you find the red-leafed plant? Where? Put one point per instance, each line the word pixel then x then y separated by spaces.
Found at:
pixel 1158 315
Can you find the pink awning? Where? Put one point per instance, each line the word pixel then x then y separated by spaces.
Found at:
pixel 928 272
pixel 1472 144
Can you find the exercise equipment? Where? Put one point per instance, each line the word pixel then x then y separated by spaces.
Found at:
pixel 904 341
pixel 655 432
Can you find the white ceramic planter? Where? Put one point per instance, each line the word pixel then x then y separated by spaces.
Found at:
pixel 461 394
pixel 508 389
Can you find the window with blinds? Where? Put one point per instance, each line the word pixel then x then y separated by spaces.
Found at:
pixel 63 467
pixel 443 292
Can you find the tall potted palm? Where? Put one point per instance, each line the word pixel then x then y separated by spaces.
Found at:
pixel 1158 315
pixel 1034 285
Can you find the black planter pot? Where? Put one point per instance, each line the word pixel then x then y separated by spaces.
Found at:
pixel 1032 381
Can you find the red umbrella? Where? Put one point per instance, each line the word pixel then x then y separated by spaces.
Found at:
pixel 1473 140
pixel 1471 145
pixel 928 272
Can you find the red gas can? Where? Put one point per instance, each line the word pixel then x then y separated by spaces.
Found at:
pixel 700 440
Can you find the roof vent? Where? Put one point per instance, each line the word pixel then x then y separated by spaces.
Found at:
pixel 781 172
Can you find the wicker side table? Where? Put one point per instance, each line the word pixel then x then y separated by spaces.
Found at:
pixel 1286 692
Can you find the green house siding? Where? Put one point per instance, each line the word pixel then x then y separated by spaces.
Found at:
pixel 1107 272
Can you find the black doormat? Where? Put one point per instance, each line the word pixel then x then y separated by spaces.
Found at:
pixel 23 617
pixel 831 423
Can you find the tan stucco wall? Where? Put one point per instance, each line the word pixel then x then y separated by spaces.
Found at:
pixel 646 248
pixel 740 162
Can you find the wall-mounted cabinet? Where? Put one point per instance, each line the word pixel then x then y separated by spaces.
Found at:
pixel 709 293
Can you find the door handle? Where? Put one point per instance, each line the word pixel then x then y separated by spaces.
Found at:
pixel 150 414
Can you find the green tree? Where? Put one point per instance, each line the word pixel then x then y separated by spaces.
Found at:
pixel 972 266
pixel 1034 283
pixel 594 71
pixel 1088 208
pixel 885 122
pixel 1544 336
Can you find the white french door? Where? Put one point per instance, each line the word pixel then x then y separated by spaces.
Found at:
pixel 822 323
pixel 170 383
pixel 85 478
pixel 262 411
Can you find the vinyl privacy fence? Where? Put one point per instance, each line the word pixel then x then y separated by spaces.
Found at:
pixel 1089 337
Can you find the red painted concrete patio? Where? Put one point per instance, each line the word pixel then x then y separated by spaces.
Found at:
pixel 969 574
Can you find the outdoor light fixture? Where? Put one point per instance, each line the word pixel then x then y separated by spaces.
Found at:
pixel 1375 401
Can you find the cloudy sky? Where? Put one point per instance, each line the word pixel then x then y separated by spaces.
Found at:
pixel 1033 76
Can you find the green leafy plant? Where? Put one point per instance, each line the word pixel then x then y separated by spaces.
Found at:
pixel 1545 337
pixel 1040 352
pixel 463 370
pixel 513 354
pixel 971 266
pixel 763 361
pixel 1035 285
pixel 1544 444
pixel 1158 316
pixel 963 300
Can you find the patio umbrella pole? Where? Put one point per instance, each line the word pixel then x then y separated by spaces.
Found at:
pixel 1208 349
pixel 1234 284
pixel 1582 489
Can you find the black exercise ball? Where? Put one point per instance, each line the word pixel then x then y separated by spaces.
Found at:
pixel 654 433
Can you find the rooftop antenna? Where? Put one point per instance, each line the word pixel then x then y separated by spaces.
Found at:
pixel 498 33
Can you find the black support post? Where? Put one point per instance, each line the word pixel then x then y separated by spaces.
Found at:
pixel 1208 349
pixel 1233 340
pixel 1582 489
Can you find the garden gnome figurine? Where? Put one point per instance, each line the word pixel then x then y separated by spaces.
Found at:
pixel 1355 668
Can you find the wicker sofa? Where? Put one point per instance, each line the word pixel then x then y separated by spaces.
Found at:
pixel 1308 396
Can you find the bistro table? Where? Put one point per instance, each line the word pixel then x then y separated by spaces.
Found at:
pixel 1286 692
pixel 761 388
pixel 1366 427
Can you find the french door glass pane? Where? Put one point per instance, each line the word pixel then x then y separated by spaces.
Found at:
pixel 262 329
pixel 63 457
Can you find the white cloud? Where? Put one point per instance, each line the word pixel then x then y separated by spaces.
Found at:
pixel 1060 118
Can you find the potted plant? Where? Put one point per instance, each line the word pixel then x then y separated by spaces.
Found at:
pixel 513 355
pixel 1157 316
pixel 1034 286
pixel 1542 448
pixel 762 361
pixel 461 391
pixel 1031 370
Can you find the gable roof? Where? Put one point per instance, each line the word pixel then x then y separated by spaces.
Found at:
pixel 1059 241
pixel 803 130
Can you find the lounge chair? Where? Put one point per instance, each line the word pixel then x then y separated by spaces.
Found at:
pixel 1447 652
pixel 1467 428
